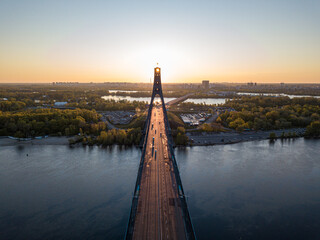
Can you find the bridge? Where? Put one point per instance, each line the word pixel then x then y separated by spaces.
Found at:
pixel 178 100
pixel 159 208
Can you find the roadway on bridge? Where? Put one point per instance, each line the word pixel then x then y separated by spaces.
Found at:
pixel 159 214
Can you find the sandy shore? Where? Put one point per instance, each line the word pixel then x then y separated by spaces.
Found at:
pixel 5 141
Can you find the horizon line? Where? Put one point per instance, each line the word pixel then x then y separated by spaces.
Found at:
pixel 122 82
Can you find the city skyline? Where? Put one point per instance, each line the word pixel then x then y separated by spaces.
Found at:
pixel 100 41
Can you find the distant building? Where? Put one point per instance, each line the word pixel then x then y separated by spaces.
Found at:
pixel 251 84
pixel 205 84
pixel 64 83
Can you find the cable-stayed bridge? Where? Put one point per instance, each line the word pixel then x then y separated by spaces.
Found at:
pixel 159 208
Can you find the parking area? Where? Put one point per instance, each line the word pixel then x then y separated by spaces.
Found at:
pixel 118 117
pixel 194 119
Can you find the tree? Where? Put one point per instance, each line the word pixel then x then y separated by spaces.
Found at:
pixel 315 117
pixel 313 130
pixel 237 124
pixel 206 127
pixel 181 130
pixel 272 136
pixel 67 131
pixel 181 139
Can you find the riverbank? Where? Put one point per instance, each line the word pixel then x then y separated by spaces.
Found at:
pixel 197 138
pixel 5 141
pixel 212 138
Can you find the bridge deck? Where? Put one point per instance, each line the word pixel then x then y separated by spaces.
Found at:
pixel 159 214
pixel 178 100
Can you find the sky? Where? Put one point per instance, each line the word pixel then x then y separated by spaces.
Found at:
pixel 221 41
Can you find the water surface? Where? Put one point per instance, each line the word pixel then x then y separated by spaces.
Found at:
pixel 253 190
pixel 166 99
pixel 131 99
pixel 197 100
pixel 57 192
pixel 250 190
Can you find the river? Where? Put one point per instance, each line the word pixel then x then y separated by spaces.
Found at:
pixel 249 190
pixel 199 100
pixel 166 99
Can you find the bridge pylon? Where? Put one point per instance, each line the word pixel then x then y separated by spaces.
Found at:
pixel 157 91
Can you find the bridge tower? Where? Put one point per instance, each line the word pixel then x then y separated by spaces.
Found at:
pixel 157 91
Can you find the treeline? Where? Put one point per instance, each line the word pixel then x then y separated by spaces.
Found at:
pixel 121 137
pixel 249 102
pixel 41 122
pixel 190 107
pixel 109 137
pixel 266 113
pixel 211 127
pixel 12 105
pixel 313 130
pixel 100 104
pixel 180 138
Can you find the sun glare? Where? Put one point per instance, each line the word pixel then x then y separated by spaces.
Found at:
pixel 170 58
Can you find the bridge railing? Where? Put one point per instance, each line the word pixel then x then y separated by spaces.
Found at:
pixel 189 230
pixel 135 199
pixel 186 216
pixel 190 234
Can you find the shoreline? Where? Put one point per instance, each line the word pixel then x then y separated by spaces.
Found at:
pixel 222 138
pixel 235 142
pixel 198 138
pixel 6 141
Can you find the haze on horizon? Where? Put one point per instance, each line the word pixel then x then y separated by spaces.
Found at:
pixel 99 41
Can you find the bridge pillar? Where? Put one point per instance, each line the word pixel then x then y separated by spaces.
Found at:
pixel 157 91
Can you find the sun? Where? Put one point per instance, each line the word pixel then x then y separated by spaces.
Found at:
pixel 170 58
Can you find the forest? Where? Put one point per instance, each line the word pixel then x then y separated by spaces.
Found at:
pixel 267 113
pixel 83 123
pixel 39 122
